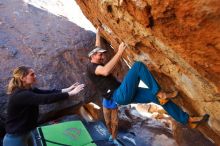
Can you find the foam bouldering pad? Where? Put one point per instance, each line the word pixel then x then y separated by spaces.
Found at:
pixel 72 133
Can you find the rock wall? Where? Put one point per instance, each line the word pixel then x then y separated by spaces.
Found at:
pixel 178 40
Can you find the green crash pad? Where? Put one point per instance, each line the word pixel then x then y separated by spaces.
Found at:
pixel 71 133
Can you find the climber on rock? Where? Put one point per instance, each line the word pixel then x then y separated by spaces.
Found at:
pixel 128 91
pixel 110 107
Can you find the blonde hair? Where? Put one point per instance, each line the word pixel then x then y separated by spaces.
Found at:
pixel 16 81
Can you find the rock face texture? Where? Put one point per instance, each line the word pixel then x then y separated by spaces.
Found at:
pixel 178 40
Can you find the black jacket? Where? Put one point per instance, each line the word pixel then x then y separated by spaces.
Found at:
pixel 23 108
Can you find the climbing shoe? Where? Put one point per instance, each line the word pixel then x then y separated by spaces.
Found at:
pixel 198 121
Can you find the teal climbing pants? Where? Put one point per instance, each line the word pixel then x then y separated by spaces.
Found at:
pixel 129 92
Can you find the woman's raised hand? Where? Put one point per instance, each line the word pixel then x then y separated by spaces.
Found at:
pixel 76 89
pixel 74 85
pixel 70 87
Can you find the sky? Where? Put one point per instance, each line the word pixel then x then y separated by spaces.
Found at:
pixel 66 8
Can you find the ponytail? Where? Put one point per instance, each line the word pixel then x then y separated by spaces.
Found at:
pixel 16 81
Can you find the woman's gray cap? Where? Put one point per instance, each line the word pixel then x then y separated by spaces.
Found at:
pixel 96 50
